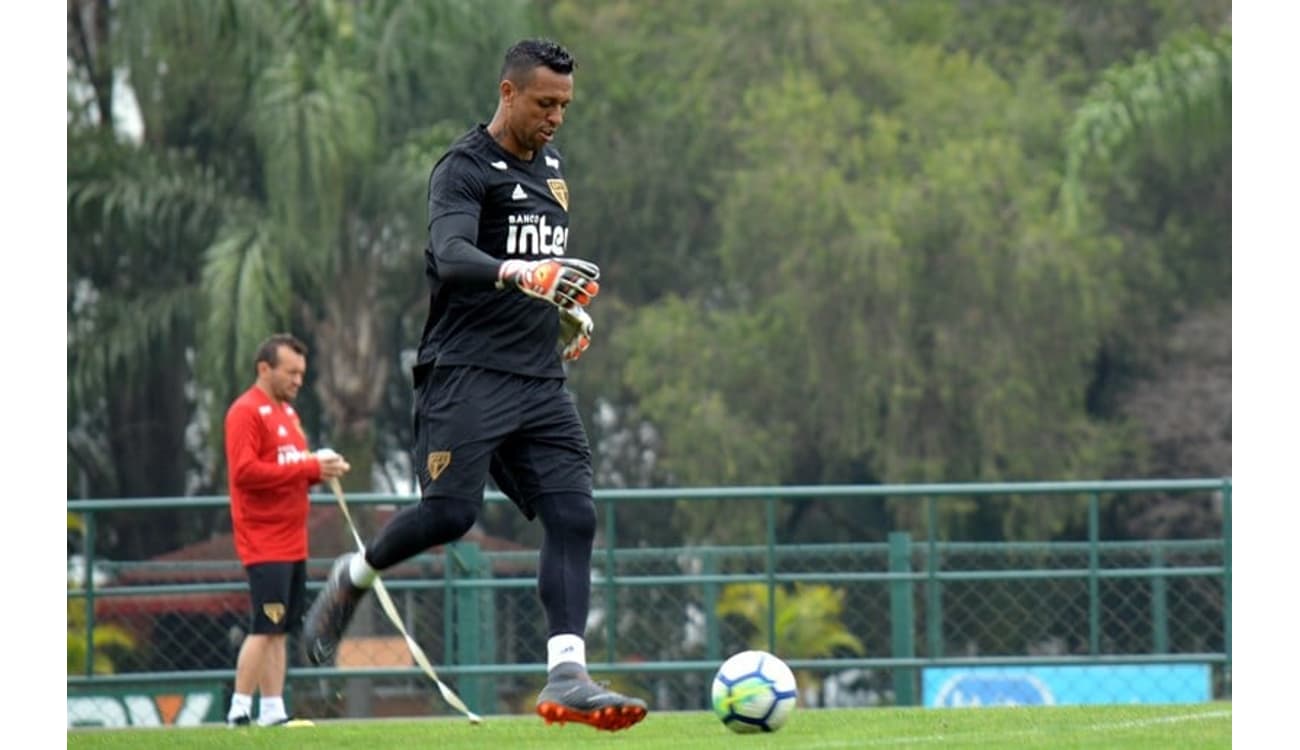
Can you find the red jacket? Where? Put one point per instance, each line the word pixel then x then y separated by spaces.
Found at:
pixel 270 471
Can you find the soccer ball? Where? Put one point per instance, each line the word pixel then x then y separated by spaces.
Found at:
pixel 753 691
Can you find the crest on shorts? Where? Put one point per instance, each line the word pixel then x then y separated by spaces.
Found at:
pixel 437 462
pixel 560 189
pixel 274 612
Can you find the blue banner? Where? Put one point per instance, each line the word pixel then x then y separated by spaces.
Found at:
pixel 952 687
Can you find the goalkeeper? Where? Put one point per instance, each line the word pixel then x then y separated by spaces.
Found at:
pixel 490 396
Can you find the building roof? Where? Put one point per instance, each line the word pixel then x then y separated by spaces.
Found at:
pixel 213 560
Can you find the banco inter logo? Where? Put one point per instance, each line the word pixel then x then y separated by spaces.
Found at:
pixel 531 234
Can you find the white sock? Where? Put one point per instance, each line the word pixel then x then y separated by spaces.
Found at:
pixel 240 705
pixel 565 647
pixel 270 709
pixel 360 572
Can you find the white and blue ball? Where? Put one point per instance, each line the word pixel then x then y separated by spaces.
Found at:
pixel 754 691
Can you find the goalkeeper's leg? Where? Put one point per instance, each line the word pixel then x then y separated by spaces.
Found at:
pixel 414 529
pixel 564 584
pixel 454 439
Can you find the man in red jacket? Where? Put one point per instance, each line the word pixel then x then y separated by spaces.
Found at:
pixel 270 471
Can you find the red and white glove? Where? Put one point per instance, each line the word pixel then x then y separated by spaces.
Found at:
pixel 575 332
pixel 564 282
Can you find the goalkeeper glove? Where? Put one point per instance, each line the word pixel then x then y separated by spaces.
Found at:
pixel 563 282
pixel 575 332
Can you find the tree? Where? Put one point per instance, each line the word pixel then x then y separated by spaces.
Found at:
pixel 1149 157
pixel 895 302
pixel 335 230
pixel 130 290
pixel 1172 107
pixel 276 183
pixel 291 144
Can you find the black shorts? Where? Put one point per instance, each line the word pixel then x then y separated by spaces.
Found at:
pixel 523 431
pixel 278 591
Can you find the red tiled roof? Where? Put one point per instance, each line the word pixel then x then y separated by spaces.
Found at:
pixel 328 537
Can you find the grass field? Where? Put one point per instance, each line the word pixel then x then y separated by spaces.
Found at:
pixel 1025 728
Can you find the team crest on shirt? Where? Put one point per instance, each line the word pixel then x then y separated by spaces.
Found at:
pixel 560 189
pixel 274 612
pixel 437 462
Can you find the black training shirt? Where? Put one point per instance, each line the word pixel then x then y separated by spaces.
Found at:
pixel 482 196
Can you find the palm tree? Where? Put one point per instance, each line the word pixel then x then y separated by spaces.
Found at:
pixel 333 237
pixel 278 184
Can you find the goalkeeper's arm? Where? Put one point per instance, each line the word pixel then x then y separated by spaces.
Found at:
pixel 454 254
pixel 561 281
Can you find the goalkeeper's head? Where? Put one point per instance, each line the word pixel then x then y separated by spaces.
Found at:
pixel 535 87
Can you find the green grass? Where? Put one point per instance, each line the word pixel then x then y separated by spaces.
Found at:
pixel 1023 728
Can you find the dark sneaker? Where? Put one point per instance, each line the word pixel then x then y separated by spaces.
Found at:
pixel 570 695
pixel 241 720
pixel 323 627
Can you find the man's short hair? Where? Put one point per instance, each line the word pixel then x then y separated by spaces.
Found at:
pixel 529 54
pixel 269 350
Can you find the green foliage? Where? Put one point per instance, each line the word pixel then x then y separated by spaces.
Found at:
pixel 882 289
pixel 246 290
pixel 279 185
pixel 109 640
pixel 809 621
pixel 841 242
pixel 1173 107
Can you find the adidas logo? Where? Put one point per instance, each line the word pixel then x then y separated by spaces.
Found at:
pixel 519 193
pixel 552 162
pixel 499 165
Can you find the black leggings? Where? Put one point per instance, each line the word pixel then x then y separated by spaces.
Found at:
pixel 564 567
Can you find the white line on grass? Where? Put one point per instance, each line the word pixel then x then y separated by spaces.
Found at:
pixel 1161 720
pixel 927 739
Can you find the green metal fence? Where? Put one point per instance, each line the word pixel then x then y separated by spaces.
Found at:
pixel 941 620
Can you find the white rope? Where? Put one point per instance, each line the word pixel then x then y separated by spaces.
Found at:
pixel 386 602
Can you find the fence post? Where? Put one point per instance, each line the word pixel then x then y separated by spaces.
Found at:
pixel 933 599
pixel 712 592
pixel 1159 603
pixel 611 591
pixel 1094 564
pixel 901 617
pixel 770 505
pixel 475 631
pixel 89 556
pixel 449 603
pixel 1227 581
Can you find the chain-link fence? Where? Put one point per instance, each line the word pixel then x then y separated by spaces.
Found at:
pixel 909 615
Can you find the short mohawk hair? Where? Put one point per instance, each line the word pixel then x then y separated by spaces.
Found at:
pixel 528 54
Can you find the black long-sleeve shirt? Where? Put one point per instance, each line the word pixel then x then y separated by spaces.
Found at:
pixel 487 206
